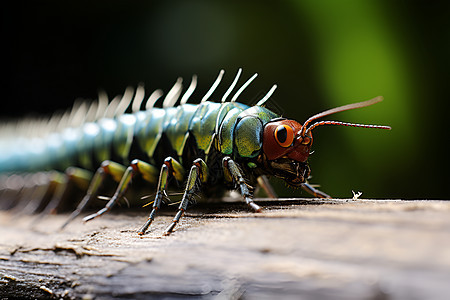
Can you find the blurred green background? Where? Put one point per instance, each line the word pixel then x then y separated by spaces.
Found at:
pixel 320 53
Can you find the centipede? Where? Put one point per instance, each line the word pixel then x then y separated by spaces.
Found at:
pixel 203 149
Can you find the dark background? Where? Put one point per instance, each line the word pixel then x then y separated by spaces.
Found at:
pixel 320 53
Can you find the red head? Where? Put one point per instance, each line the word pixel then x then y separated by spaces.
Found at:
pixel 287 143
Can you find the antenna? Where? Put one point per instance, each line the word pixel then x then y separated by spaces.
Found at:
pixel 305 129
pixel 317 124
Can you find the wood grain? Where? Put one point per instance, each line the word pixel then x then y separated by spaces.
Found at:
pixel 295 249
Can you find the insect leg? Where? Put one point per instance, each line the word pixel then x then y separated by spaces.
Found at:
pixel 77 176
pixel 170 167
pixel 313 191
pixel 61 183
pixel 148 173
pixel 230 166
pixel 111 168
pixel 198 173
pixel 37 191
pixel 55 182
pixel 263 181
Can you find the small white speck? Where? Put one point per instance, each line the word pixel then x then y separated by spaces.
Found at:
pixel 356 195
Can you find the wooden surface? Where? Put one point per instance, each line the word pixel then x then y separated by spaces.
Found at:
pixel 296 249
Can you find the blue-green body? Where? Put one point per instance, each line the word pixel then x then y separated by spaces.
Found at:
pixel 210 130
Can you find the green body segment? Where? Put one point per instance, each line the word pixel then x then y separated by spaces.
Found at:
pixel 124 136
pixel 203 123
pixel 248 135
pixel 242 129
pixel 149 130
pixel 102 141
pixel 176 127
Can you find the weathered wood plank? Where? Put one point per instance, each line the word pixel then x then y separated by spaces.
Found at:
pixel 305 248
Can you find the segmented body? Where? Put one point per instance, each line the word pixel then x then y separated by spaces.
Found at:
pixel 206 145
pixel 184 132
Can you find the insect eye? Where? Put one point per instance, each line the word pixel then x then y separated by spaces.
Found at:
pixel 284 135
